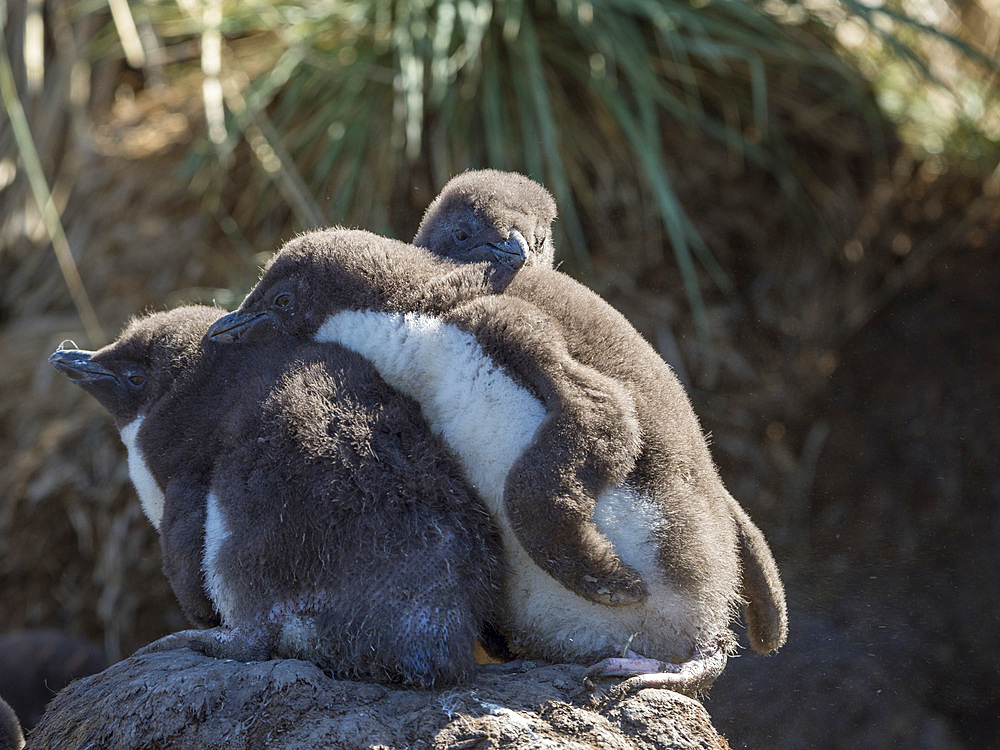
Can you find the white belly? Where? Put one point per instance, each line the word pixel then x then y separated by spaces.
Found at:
pixel 488 420
pixel 216 533
pixel 150 495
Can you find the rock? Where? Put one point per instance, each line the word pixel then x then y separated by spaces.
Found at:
pixel 180 699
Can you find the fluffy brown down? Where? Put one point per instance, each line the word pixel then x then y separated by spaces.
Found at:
pixel 494 204
pixel 521 323
pixel 349 537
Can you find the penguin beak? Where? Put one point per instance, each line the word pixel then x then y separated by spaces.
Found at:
pixel 231 328
pixel 77 366
pixel 512 252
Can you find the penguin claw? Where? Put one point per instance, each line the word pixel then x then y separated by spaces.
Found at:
pixel 688 677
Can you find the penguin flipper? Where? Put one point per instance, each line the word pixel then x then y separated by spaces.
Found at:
pixel 763 593
pixel 182 543
pixel 588 441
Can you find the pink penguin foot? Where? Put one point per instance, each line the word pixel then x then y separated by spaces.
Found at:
pixel 697 673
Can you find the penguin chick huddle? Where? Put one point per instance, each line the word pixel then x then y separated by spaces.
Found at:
pixel 391 449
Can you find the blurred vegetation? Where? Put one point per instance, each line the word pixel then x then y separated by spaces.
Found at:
pixel 356 112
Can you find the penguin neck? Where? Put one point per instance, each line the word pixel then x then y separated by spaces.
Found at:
pixel 172 437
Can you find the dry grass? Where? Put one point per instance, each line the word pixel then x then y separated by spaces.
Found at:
pixel 75 549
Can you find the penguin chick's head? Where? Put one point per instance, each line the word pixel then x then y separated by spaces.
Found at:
pixel 318 273
pixel 129 374
pixel 486 214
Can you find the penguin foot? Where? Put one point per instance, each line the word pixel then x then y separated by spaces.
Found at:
pixel 688 677
pixel 219 642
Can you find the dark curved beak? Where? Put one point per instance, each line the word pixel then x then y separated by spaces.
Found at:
pixel 76 365
pixel 231 328
pixel 512 252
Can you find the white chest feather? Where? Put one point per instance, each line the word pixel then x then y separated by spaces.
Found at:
pixel 150 494
pixel 216 533
pixel 479 411
pixel 488 420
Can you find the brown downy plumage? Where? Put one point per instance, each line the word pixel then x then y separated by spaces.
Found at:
pixel 550 514
pixel 484 208
pixel 488 207
pixel 304 496
pixel 11 736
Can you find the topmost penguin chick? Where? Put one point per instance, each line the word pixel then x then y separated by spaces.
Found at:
pixel 331 524
pixel 480 206
pixel 486 209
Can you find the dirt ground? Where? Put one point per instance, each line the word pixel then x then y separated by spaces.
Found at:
pixel 851 399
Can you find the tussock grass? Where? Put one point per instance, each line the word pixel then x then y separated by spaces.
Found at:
pixel 357 112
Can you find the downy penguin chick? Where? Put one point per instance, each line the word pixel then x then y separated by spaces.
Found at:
pixel 337 529
pixel 668 518
pixel 511 215
pixel 480 209
pixel 486 209
pixel 11 736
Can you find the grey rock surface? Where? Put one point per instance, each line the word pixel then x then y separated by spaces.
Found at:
pixel 181 699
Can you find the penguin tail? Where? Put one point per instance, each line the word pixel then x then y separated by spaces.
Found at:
pixel 761 589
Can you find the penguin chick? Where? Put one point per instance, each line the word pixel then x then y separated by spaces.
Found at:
pixel 668 518
pixel 488 212
pixel 487 208
pixel 549 504
pixel 121 379
pixel 11 736
pixel 337 529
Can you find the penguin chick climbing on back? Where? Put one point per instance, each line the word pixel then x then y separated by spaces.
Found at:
pixel 477 369
pixel 486 208
pixel 337 528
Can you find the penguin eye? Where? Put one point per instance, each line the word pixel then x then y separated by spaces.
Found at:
pixel 283 300
pixel 460 234
pixel 136 380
